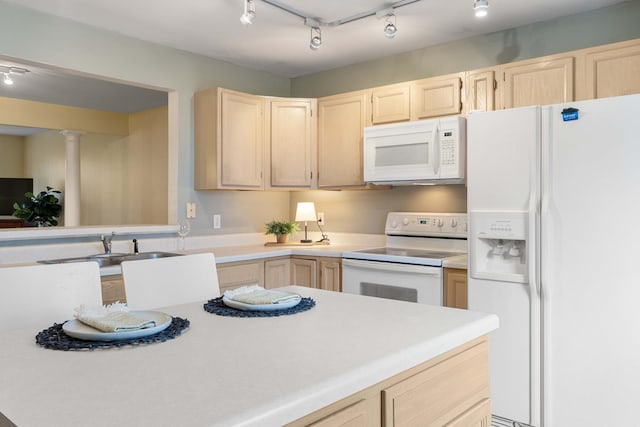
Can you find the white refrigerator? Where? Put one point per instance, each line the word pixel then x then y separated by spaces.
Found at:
pixel 554 251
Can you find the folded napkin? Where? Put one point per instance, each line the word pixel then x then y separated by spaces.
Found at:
pixel 112 318
pixel 257 295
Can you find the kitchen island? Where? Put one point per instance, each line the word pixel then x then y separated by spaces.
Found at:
pixel 332 362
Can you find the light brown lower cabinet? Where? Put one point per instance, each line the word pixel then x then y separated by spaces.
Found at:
pixel 277 272
pixel 235 274
pixel 314 272
pixel 455 287
pixel 304 272
pixel 317 272
pixel 450 390
pixel 113 289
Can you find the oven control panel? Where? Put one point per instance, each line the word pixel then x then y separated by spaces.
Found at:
pixel 427 224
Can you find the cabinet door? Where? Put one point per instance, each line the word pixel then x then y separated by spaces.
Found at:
pixel 538 82
pixel 612 70
pixel 228 139
pixel 304 272
pixel 330 274
pixel 455 288
pixel 437 96
pixel 292 142
pixel 241 140
pixel 391 103
pixel 341 123
pixel 113 289
pixel 481 88
pixel 441 393
pixel 277 273
pixel 236 274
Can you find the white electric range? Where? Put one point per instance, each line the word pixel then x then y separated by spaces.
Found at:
pixel 409 268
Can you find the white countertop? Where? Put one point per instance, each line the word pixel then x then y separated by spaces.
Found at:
pixel 228 371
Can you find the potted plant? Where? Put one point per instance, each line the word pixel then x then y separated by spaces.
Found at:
pixel 42 209
pixel 281 229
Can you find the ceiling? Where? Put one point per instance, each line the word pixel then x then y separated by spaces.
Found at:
pixel 276 42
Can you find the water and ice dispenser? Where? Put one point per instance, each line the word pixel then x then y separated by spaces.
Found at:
pixel 498 245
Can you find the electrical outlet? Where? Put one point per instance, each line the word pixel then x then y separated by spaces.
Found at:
pixel 217 221
pixel 321 218
pixel 191 210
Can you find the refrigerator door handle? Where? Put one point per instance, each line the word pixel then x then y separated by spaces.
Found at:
pixel 533 256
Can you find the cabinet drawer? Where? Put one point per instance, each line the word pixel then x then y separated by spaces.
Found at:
pixel 439 394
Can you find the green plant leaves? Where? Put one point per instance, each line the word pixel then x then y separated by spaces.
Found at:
pixel 43 208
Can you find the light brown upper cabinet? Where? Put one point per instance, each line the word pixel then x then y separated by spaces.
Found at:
pixel 341 122
pixel 391 103
pixel 436 96
pixel 540 81
pixel 228 134
pixel 480 92
pixel 610 70
pixel 291 143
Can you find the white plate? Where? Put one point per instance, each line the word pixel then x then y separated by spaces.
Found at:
pixel 77 329
pixel 260 307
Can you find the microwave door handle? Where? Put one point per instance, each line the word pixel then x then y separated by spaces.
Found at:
pixel 436 151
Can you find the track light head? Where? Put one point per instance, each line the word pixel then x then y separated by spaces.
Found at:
pixel 390 29
pixel 481 8
pixel 249 12
pixel 316 38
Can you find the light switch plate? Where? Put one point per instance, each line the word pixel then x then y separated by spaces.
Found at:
pixel 217 221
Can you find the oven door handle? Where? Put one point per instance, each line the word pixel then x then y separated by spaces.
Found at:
pixel 390 266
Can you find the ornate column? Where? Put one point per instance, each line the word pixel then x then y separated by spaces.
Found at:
pixel 72 177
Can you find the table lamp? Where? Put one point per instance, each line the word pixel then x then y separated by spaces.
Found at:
pixel 306 211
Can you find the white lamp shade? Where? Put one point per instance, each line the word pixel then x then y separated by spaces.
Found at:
pixel 306 211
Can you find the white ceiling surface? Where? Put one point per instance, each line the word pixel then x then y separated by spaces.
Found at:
pixel 277 42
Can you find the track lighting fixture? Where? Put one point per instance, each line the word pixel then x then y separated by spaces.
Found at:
pixel 249 12
pixel 387 12
pixel 8 71
pixel 390 29
pixel 481 7
pixel 316 38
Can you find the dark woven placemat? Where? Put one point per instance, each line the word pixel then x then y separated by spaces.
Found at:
pixel 54 338
pixel 217 306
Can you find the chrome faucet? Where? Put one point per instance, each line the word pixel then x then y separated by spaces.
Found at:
pixel 106 242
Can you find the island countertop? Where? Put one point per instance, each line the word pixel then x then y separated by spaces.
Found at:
pixel 230 371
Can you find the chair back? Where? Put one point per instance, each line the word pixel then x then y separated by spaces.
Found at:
pixel 37 296
pixel 160 282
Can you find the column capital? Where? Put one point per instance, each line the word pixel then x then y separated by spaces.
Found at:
pixel 71 133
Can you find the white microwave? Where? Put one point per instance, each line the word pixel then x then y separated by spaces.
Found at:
pixel 418 152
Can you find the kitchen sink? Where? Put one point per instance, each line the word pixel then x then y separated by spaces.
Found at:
pixel 107 260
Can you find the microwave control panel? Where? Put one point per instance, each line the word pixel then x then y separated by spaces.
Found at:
pixel 426 224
